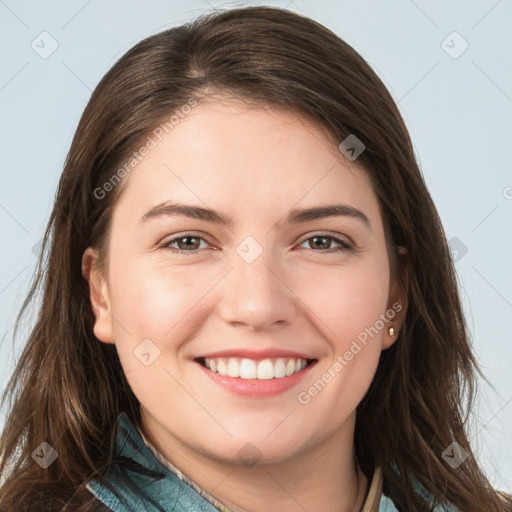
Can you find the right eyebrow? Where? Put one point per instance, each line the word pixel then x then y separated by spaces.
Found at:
pixel 194 212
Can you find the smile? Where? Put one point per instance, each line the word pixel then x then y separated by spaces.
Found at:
pixel 265 369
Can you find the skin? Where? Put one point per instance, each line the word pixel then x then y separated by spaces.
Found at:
pixel 254 165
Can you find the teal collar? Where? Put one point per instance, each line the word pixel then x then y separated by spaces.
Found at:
pixel 135 477
pixel 169 492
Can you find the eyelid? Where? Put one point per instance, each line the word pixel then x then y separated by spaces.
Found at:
pixel 342 238
pixel 344 242
pixel 186 234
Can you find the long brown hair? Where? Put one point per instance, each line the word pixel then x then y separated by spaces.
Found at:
pixel 68 388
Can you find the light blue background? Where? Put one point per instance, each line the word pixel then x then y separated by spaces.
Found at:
pixel 458 111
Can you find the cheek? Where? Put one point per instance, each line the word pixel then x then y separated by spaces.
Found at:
pixel 158 302
pixel 345 300
pixel 156 310
pixel 349 304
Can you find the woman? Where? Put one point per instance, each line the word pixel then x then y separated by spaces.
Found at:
pixel 249 302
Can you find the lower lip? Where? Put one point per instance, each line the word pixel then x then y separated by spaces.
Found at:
pixel 255 388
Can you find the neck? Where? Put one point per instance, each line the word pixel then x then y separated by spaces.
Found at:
pixel 325 477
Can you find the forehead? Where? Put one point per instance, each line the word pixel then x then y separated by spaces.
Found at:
pixel 257 159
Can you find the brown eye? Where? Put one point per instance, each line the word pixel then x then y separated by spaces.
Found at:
pixel 188 244
pixel 321 242
pixel 324 243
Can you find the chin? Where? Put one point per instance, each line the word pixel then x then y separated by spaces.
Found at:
pixel 251 450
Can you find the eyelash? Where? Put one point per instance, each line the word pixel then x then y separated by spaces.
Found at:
pixel 345 247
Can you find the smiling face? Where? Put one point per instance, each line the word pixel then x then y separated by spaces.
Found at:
pixel 257 287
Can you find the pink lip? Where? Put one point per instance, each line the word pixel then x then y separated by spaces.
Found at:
pixel 254 388
pixel 256 354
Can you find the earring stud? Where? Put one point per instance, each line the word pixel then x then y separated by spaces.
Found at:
pixel 391 331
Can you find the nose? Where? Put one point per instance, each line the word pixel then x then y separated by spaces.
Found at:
pixel 256 295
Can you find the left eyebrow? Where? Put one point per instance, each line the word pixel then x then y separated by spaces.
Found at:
pixel 295 216
pixel 320 212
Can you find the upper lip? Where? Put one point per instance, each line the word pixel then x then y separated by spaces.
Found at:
pixel 256 354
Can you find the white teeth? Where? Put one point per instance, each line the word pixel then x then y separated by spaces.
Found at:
pixel 221 368
pixel 265 369
pixel 233 368
pixel 248 369
pixel 290 367
pixel 279 369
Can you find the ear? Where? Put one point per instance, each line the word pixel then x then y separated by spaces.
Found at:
pixel 100 301
pixel 397 302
